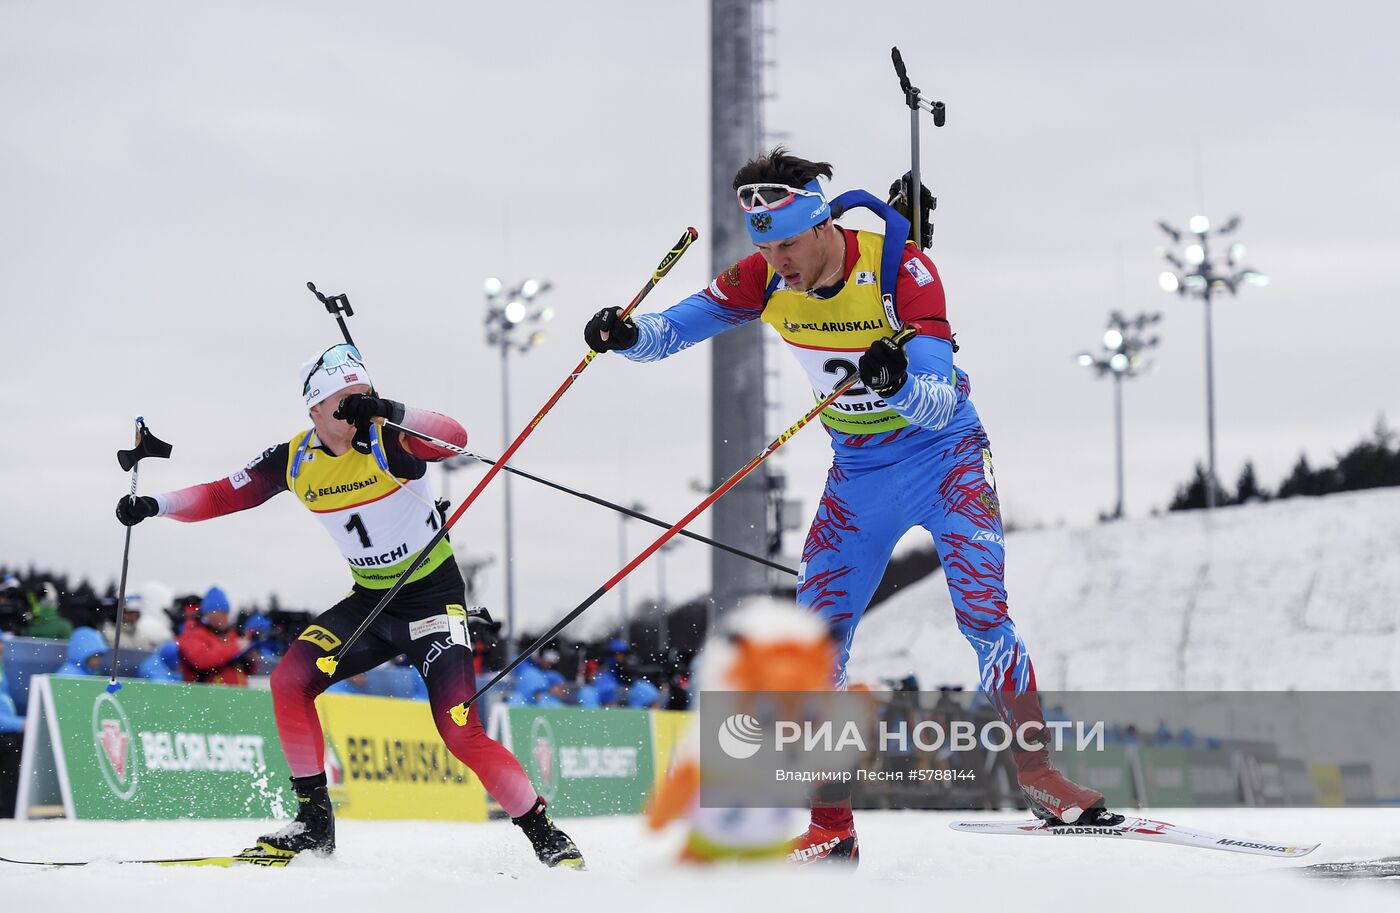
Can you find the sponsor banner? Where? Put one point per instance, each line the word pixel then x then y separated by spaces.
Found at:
pixel 1103 766
pixel 387 761
pixel 1212 778
pixel 1165 777
pixel 668 727
pixel 583 761
pixel 1359 783
pixel 1327 785
pixel 157 750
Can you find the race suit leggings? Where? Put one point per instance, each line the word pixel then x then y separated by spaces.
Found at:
pixel 948 489
pixel 417 624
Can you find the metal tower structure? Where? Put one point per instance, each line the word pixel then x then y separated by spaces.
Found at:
pixel 736 367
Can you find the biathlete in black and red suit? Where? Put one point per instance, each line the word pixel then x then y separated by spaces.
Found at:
pixel 371 493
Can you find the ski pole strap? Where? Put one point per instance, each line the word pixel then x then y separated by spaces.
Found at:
pixel 147 445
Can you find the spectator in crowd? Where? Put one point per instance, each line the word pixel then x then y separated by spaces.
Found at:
pixel 643 695
pixel 11 741
pixel 14 606
pixel 143 627
pixel 556 692
pixel 532 678
pixel 87 653
pixel 612 682
pixel 46 621
pixel 210 651
pixel 588 691
pixel 162 665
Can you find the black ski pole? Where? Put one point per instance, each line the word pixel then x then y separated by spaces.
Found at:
pixel 338 305
pixel 147 445
pixel 328 663
pixel 593 499
pixel 916 102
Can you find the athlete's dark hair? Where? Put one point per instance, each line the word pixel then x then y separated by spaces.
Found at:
pixel 780 167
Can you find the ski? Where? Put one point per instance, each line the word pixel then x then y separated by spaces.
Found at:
pixel 1388 867
pixel 1140 829
pixel 253 856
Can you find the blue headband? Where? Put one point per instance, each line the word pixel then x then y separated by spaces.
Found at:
pixel 791 219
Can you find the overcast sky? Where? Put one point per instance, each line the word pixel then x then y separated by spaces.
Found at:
pixel 172 174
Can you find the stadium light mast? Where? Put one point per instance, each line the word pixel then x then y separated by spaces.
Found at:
pixel 1125 344
pixel 1194 273
pixel 510 312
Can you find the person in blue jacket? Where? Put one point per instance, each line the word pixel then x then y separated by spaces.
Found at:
pixel 611 684
pixel 532 678
pixel 11 743
pixel 87 653
pixel 10 718
pixel 162 665
pixel 643 695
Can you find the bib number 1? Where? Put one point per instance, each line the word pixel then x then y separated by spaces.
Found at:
pixel 356 525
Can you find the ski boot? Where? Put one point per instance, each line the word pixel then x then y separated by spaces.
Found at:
pixel 1058 800
pixel 314 826
pixel 552 846
pixel 822 844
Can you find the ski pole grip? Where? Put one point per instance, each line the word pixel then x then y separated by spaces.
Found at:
pixel 675 252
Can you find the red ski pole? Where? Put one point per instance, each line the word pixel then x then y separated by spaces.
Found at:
pixel 459 712
pixel 328 662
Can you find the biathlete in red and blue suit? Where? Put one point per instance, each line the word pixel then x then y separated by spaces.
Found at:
pixel 908 447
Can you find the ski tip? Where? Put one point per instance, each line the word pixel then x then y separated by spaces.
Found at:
pixel 692 232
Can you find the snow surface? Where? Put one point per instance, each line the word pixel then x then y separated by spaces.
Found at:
pixel 910 861
pixel 1297 594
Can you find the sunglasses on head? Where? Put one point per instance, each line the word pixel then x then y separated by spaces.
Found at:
pixel 754 197
pixel 338 356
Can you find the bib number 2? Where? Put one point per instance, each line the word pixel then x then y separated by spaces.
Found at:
pixel 841 369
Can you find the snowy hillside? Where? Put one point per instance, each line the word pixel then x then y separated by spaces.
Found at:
pixel 1296 594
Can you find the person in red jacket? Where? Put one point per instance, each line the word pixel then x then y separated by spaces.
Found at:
pixel 210 651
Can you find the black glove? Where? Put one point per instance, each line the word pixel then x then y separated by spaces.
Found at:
pixel 884 367
pixel 622 334
pixel 899 199
pixel 359 409
pixel 130 514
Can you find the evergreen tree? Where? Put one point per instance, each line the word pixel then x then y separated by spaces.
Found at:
pixel 1372 463
pixel 1247 488
pixel 1192 495
pixel 1301 481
